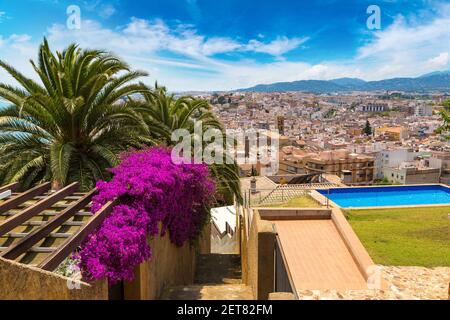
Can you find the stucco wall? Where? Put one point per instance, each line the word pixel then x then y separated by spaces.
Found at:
pixel 169 266
pixel 260 257
pixel 205 241
pixel 21 282
pixel 294 214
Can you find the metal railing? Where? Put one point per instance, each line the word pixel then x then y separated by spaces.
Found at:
pixel 285 193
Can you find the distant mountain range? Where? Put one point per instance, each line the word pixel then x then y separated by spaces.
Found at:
pixel 435 81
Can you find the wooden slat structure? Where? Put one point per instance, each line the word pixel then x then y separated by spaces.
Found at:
pixel 33 210
pixel 10 187
pixel 23 197
pixel 58 256
pixel 41 227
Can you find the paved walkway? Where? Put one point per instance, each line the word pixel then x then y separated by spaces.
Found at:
pixel 213 292
pixel 218 277
pixel 318 257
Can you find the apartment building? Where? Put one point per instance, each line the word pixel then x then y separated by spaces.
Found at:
pixel 444 158
pixel 412 175
pixel 394 133
pixel 374 107
pixel 423 110
pixel 391 159
pixel 292 161
pixel 354 169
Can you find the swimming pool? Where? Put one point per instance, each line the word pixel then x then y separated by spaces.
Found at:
pixel 389 196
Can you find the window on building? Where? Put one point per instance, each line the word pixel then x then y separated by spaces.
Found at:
pixel 291 169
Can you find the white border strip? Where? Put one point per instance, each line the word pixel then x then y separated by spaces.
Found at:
pixel 5 194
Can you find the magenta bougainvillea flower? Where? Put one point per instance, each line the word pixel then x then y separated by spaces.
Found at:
pixel 152 192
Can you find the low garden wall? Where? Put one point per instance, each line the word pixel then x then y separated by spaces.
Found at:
pixel 294 214
pixel 355 247
pixel 169 266
pixel 22 282
pixel 259 257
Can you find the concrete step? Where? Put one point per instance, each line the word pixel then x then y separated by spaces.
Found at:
pixel 225 245
pixel 209 292
pixel 218 269
pixel 218 277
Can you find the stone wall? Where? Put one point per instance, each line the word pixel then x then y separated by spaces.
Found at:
pixel 22 282
pixel 169 266
pixel 403 283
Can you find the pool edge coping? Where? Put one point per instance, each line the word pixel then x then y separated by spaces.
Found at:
pixel 393 186
pixel 396 207
pixel 332 203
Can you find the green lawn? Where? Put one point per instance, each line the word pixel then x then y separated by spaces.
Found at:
pixel 299 202
pixel 404 237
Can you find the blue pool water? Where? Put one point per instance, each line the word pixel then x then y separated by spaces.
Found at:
pixel 388 196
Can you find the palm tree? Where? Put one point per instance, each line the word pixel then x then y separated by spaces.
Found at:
pixel 72 124
pixel 164 113
pixel 445 115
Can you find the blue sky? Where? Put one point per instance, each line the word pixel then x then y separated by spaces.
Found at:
pixel 228 44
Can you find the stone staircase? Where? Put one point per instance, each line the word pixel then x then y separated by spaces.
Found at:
pixel 218 277
pixel 224 245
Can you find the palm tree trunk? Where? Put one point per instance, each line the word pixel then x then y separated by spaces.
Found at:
pixel 56 185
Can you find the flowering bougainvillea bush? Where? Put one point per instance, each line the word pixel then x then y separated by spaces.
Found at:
pixel 152 192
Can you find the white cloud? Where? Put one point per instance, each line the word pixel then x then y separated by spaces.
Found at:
pixel 277 47
pixel 17 50
pixel 144 36
pixel 185 39
pixel 107 11
pixel 104 10
pixel 141 43
pixel 439 61
pixel 3 16
pixel 219 45
pixel 407 48
pixel 19 38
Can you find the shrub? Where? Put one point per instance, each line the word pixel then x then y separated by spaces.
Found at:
pixel 152 192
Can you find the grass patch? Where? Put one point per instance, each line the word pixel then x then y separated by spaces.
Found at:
pixel 298 202
pixel 404 237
